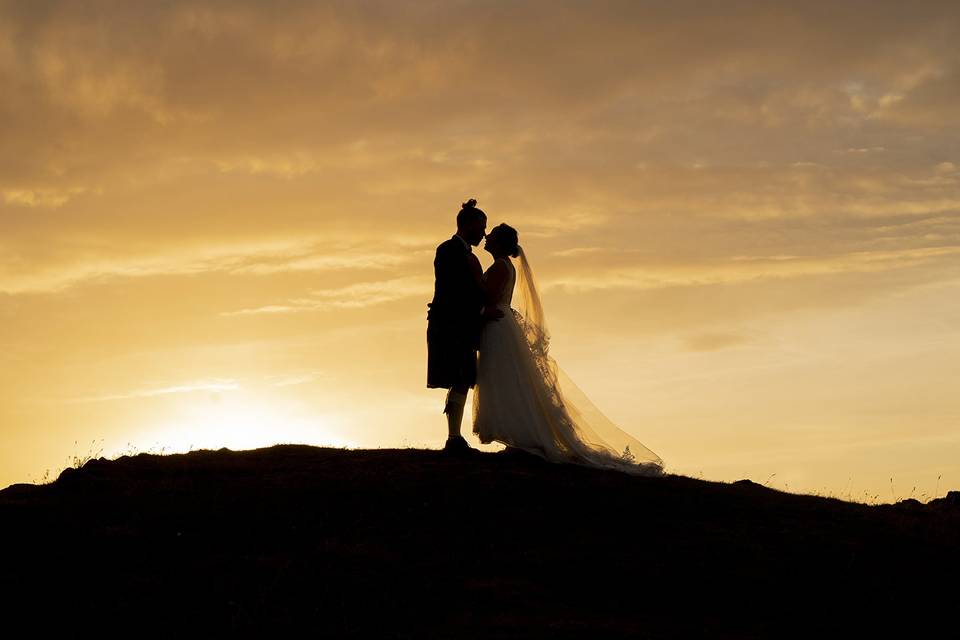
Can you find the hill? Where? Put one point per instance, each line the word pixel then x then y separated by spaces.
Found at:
pixel 408 543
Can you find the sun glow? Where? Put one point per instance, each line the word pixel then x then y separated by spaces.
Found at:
pixel 237 420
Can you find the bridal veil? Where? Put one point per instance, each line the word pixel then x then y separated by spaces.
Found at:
pixel 578 427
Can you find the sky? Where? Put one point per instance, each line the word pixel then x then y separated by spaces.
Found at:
pixel 218 221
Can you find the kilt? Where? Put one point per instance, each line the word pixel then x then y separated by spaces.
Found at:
pixel 451 356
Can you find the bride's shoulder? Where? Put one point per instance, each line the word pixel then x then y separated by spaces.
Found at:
pixel 498 267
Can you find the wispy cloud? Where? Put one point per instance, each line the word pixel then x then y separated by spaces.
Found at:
pixel 252 258
pixel 293 379
pixel 740 269
pixel 556 222
pixel 713 341
pixel 291 165
pixel 189 387
pixel 358 260
pixel 576 252
pixel 355 296
pixel 46 197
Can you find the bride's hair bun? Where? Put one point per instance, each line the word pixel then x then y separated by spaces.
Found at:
pixel 469 204
pixel 507 236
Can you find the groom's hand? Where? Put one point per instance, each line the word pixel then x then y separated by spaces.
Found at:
pixel 491 313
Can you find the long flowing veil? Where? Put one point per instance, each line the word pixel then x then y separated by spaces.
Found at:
pixel 580 426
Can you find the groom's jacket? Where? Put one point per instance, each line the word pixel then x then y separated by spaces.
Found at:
pixel 457 296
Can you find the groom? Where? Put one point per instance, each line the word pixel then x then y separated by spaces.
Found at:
pixel 455 317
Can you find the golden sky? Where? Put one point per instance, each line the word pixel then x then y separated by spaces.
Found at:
pixel 217 224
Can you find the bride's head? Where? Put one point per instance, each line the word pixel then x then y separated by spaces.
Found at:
pixel 503 241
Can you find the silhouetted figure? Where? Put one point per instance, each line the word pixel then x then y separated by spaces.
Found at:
pixel 455 317
pixel 522 398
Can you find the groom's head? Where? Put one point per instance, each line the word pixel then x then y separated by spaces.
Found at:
pixel 471 222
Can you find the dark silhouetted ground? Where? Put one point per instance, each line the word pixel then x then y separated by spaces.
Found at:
pixel 407 543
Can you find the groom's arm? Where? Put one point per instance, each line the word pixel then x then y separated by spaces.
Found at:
pixel 475 270
pixel 447 267
pixel 491 313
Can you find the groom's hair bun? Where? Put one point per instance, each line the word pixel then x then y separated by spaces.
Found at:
pixel 469 212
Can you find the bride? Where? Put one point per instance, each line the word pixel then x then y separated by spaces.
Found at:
pixel 522 398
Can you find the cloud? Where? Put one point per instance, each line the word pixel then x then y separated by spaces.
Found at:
pixel 189 387
pixel 618 135
pixel 576 251
pixel 754 269
pixel 251 258
pixel 354 296
pixel 713 341
pixel 946 168
pixel 52 198
pixel 293 379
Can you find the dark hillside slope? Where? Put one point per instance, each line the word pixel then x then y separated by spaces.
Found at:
pixel 410 543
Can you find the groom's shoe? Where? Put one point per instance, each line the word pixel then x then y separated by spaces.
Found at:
pixel 456 445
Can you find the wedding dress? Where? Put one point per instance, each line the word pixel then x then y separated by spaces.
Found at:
pixel 524 400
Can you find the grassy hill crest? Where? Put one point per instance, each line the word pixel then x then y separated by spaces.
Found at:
pixel 414 543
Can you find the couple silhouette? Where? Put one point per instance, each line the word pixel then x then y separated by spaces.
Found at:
pixel 477 339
